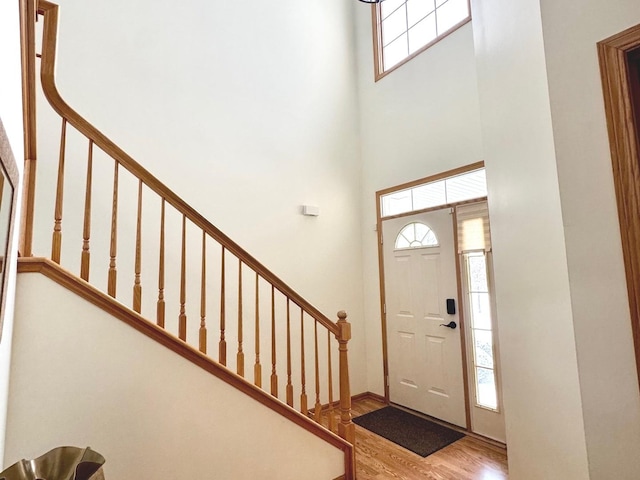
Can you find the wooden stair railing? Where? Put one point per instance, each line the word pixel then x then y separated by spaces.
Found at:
pixel 249 300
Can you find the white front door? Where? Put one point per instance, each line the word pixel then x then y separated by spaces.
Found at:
pixel 424 355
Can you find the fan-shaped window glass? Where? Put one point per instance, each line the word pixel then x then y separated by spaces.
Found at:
pixel 416 235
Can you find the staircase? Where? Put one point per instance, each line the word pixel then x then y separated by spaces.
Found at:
pixel 145 256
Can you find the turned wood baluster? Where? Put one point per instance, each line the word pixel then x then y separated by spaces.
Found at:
pixel 86 229
pixel 182 318
pixel 111 283
pixel 257 368
pixel 330 412
pixel 56 243
pixel 289 385
pixel 161 304
pixel 202 343
pixel 240 356
pixel 274 375
pixel 318 406
pixel 304 404
pixel 137 287
pixel 222 345
pixel 346 428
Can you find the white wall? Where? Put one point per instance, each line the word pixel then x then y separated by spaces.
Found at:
pixel 540 378
pixel 81 377
pixel 608 380
pixel 246 110
pixel 569 380
pixel 420 120
pixel 11 115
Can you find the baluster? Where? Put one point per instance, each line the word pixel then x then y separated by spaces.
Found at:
pixel 203 297
pixel 240 356
pixel 289 385
pixel 111 284
pixel 257 368
pixel 332 419
pixel 222 346
pixel 304 407
pixel 86 229
pixel 274 376
pixel 137 287
pixel 56 242
pixel 161 305
pixel 318 406
pixel 346 428
pixel 182 318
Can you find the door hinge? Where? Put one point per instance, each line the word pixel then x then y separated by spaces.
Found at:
pixel 384 308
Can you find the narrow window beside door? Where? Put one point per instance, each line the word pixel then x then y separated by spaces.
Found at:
pixel 481 329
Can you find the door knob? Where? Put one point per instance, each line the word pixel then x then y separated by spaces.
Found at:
pixel 452 325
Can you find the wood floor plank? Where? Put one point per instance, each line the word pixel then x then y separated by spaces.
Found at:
pixel 467 459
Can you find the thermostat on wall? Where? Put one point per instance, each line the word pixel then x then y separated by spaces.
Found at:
pixel 310 210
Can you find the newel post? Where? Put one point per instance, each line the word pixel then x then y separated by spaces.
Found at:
pixel 28 41
pixel 346 428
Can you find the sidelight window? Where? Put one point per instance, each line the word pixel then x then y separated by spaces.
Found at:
pixel 481 323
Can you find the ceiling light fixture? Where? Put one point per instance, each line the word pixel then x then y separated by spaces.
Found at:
pixel 371 1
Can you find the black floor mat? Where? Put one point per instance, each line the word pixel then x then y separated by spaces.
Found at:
pixel 409 431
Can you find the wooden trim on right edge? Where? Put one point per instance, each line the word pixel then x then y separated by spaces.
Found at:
pixel 623 139
pixel 9 176
pixel 103 301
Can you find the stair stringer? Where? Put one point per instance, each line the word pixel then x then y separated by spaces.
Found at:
pixel 79 378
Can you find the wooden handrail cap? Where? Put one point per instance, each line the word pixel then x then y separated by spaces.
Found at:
pixel 342 315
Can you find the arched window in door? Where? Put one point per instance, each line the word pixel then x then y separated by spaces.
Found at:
pixel 416 235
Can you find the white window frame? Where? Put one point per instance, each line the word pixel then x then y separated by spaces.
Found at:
pixel 378 62
pixel 471 329
pixel 447 200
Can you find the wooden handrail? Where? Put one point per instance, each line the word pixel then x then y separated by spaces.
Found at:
pixel 341 329
pixel 47 75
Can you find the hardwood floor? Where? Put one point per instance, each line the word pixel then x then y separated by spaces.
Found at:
pixel 466 459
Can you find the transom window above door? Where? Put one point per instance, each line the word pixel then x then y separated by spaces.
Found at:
pixel 447 191
pixel 404 28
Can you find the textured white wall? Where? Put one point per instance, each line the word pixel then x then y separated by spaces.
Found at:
pixel 608 380
pixel 11 115
pixel 246 110
pixel 81 377
pixel 420 120
pixel 542 393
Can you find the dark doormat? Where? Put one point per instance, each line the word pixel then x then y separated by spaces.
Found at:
pixel 409 431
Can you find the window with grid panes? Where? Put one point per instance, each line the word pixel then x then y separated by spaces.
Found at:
pixel 405 28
